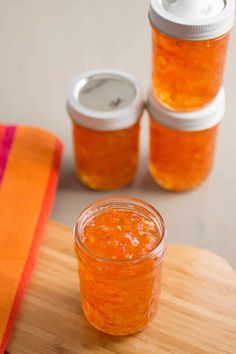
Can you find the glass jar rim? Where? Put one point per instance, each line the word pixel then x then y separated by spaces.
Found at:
pixel 129 202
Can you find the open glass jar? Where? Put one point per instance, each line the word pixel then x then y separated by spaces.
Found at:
pixel 189 40
pixel 105 107
pixel 182 144
pixel 120 244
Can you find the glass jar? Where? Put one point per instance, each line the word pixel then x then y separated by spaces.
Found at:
pixel 182 144
pixel 105 107
pixel 189 40
pixel 119 294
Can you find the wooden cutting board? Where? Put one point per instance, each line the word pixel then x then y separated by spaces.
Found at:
pixel 197 310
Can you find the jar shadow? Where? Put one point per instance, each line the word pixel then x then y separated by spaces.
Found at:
pixel 146 183
pixel 143 182
pixel 69 181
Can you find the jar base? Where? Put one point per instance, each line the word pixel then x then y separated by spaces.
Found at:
pixel 86 181
pixel 170 186
pixel 114 333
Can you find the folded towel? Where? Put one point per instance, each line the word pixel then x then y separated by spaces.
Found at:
pixel 29 167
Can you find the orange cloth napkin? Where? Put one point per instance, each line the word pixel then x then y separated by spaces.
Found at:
pixel 29 167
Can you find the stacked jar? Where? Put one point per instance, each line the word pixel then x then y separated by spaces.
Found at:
pixel 186 101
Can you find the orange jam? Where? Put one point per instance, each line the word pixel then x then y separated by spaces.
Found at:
pixel 105 107
pixel 106 159
pixel 180 160
pixel 120 247
pixel 187 74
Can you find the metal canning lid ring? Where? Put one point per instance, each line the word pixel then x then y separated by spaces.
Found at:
pixel 105 100
pixel 191 20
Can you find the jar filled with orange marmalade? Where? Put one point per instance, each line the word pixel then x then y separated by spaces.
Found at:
pixel 105 107
pixel 120 244
pixel 182 144
pixel 189 40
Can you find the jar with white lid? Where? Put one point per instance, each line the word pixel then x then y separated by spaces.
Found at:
pixel 182 144
pixel 105 107
pixel 120 280
pixel 190 39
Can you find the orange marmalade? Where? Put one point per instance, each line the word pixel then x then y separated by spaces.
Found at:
pixel 189 41
pixel 120 244
pixel 105 107
pixel 182 144
pixel 180 160
pixel 187 74
pixel 106 160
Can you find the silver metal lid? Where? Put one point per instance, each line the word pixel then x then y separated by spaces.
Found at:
pixel 192 19
pixel 105 100
pixel 192 9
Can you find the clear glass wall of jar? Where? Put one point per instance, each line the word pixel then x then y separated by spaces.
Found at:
pixel 105 107
pixel 120 294
pixel 106 159
pixel 182 145
pixel 187 74
pixel 189 52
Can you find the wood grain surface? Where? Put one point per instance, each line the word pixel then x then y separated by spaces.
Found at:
pixel 197 312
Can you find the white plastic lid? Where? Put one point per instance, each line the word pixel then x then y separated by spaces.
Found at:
pixel 105 100
pixel 193 19
pixel 200 119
